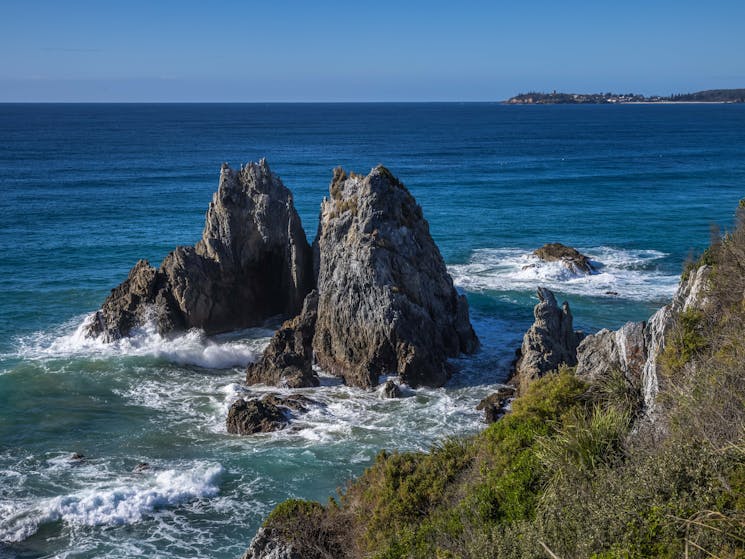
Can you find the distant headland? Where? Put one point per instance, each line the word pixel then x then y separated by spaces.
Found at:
pixel 556 98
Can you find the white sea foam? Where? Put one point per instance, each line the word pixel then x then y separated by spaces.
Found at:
pixel 190 348
pixel 111 504
pixel 630 274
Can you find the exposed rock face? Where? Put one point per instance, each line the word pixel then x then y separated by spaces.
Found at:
pixel 253 262
pixel 570 257
pixel 266 545
pixel 270 413
pixel 550 341
pixel 288 360
pixel 386 302
pixel 635 347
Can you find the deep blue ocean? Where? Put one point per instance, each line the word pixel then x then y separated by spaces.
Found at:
pixel 87 190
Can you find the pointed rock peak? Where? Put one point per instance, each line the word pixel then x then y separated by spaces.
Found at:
pixel 547 296
pixel 253 262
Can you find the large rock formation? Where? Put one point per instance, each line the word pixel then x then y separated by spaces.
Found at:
pixel 385 300
pixel 551 341
pixel 570 257
pixel 634 349
pixel 253 262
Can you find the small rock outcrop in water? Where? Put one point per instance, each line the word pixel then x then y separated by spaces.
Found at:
pixel 288 359
pixel 634 348
pixel 386 302
pixel 550 341
pixel 270 413
pixel 495 404
pixel 570 257
pixel 253 262
pixel 391 390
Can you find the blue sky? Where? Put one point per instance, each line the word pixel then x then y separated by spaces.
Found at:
pixel 381 50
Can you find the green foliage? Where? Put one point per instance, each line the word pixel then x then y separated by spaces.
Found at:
pixel 685 341
pixel 291 510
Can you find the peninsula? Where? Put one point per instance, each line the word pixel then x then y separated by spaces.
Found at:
pixel 558 98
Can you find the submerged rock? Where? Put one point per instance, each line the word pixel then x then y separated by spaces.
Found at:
pixel 288 359
pixel 570 257
pixel 253 262
pixel 551 341
pixel 386 303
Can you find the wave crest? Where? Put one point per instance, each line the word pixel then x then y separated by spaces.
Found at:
pixel 630 274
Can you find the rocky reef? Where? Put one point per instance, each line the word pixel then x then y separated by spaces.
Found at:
pixel 385 301
pixel 550 342
pixel 570 257
pixel 253 262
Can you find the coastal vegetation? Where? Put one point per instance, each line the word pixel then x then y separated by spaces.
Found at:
pixel 577 468
pixel 558 98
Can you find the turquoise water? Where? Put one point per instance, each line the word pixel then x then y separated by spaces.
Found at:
pixel 89 189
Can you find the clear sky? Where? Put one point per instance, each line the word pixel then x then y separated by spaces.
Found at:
pixel 377 50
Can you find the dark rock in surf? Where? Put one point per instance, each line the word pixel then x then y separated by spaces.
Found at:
pixel 495 404
pixel 253 262
pixel 288 359
pixel 568 256
pixel 386 303
pixel 268 413
pixel 391 390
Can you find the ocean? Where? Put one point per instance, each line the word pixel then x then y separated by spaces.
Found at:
pixel 89 189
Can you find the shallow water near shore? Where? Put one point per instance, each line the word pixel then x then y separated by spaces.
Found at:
pixel 89 189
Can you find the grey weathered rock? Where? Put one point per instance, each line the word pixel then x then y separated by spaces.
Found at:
pixel 267 545
pixel 570 257
pixel 391 390
pixel 253 262
pixel 634 348
pixel 386 302
pixel 548 343
pixel 288 359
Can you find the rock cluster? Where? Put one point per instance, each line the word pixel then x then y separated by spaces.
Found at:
pixel 253 262
pixel 568 256
pixel 551 341
pixel 385 302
